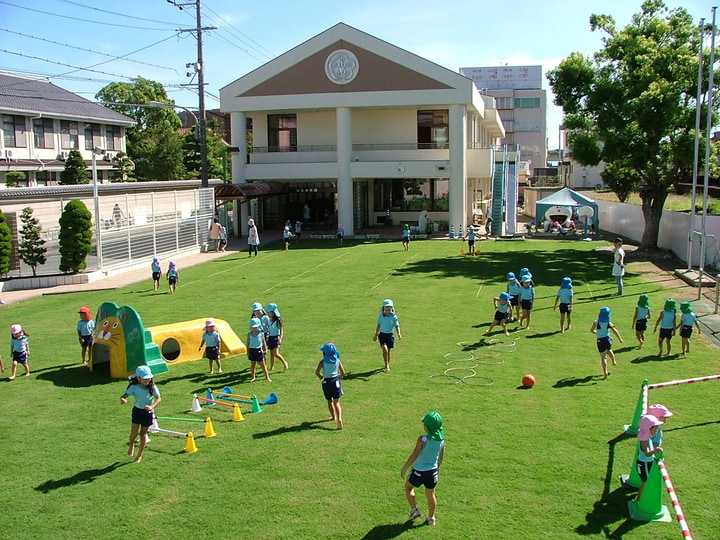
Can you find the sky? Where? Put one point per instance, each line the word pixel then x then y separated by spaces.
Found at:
pixel 82 47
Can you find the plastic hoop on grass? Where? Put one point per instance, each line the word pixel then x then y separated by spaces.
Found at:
pixel 500 345
pixel 477 381
pixel 459 356
pixel 446 380
pixel 486 357
pixel 472 372
pixel 471 345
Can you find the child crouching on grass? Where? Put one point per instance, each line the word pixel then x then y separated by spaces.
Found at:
pixel 330 370
pixel 426 459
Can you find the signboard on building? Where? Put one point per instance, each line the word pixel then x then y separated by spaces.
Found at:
pixel 505 77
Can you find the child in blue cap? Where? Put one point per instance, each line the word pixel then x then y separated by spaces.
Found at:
pixel 330 370
pixel 387 323
pixel 602 327
pixel 502 309
pixel 527 297
pixel 513 289
pixel 565 297
pixel 426 458
pixel 147 397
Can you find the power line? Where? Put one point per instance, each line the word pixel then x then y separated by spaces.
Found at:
pixel 62 64
pixel 115 13
pixel 269 54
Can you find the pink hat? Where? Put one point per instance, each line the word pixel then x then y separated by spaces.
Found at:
pixel 647 422
pixel 210 322
pixel 15 329
pixel 659 412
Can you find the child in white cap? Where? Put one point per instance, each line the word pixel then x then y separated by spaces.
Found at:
pixel 19 350
pixel 211 339
pixel 387 324
pixel 275 335
pixel 147 397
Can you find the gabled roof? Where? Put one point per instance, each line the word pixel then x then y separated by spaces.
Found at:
pixel 386 75
pixel 31 96
pixel 567 197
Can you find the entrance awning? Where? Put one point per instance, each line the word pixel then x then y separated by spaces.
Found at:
pixel 229 192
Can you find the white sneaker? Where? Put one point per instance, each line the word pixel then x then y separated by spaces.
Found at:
pixel 414 513
pixel 430 521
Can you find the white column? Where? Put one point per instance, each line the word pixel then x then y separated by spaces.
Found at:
pixel 238 160
pixel 344 179
pixel 458 167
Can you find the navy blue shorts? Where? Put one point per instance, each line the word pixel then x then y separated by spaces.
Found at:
pixel 332 388
pixel 686 331
pixel 515 300
pixel 643 469
pixel 273 342
pixel 212 353
pixel 142 417
pixel 604 344
pixel 526 304
pixel 429 479
pixel 86 341
pixel 500 316
pixel 666 333
pixel 406 239
pixel 565 308
pixel 471 244
pixel 20 357
pixel 156 276
pixel 641 325
pixel 172 280
pixel 256 355
pixel 387 340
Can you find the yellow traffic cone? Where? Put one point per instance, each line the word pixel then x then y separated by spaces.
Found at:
pixel 209 431
pixel 190 445
pixel 237 413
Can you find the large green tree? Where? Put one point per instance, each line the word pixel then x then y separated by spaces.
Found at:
pixel 215 149
pixel 632 105
pixel 153 144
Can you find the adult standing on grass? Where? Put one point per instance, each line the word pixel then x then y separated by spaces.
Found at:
pixel 387 324
pixel 147 397
pixel 214 233
pixel 426 459
pixel 330 370
pixel 253 238
pixel 618 269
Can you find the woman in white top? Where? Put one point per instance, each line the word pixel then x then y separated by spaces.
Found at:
pixel 618 269
pixel 253 238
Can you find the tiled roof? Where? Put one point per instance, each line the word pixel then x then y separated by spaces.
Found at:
pixel 24 95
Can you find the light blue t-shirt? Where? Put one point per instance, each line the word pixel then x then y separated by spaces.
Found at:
pixel 273 327
pixel 20 344
pixel 155 267
pixel 642 313
pixel 388 323
pixel 641 454
pixel 85 327
pixel 142 395
pixel 513 288
pixel 330 369
pixel 471 236
pixel 565 296
pixel 211 339
pixel 688 319
pixel 527 293
pixel 668 319
pixel 255 342
pixel 503 307
pixel 172 273
pixel 429 455
pixel 603 329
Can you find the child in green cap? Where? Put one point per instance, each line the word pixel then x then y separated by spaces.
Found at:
pixel 666 320
pixel 640 319
pixel 426 458
pixel 687 320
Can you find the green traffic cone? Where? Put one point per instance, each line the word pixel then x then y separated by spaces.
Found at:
pixel 632 480
pixel 650 506
pixel 634 427
pixel 255 405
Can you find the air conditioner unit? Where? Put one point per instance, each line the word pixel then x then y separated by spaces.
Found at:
pixel 7 154
pixel 108 156
pixel 64 155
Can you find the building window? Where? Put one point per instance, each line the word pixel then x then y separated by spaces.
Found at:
pixel 527 126
pixel 282 132
pixel 14 131
pixel 529 150
pixel 68 135
pixel 411 195
pixel 504 102
pixel 112 136
pixel 432 129
pixel 93 136
pixel 527 103
pixel 43 132
pixel 46 178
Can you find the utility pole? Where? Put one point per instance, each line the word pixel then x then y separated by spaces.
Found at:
pixel 199 70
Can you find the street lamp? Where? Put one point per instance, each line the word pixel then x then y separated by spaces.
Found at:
pixel 97 151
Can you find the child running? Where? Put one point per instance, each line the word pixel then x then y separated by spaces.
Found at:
pixel 275 335
pixel 147 397
pixel 330 370
pixel 502 308
pixel 565 296
pixel 426 459
pixel 640 319
pixel 527 297
pixel 211 339
pixel 85 329
pixel 513 289
pixel 602 327
pixel 156 272
pixel 687 320
pixel 666 320
pixel 386 324
pixel 287 236
pixel 256 349
pixel 173 276
pixel 19 350
pixel 406 237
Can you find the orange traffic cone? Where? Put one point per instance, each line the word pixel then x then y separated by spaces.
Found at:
pixel 237 413
pixel 190 445
pixel 209 431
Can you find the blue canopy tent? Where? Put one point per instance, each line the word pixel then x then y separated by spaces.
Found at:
pixel 569 198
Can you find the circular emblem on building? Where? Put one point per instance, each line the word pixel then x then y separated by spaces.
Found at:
pixel 341 66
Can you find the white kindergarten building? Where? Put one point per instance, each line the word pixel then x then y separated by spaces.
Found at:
pixel 349 124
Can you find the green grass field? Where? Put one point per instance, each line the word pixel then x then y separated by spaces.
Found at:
pixel 527 464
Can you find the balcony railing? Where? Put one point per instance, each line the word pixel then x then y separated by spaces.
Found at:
pixel 364 147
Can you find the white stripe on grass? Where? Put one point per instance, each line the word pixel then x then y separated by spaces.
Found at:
pixel 306 271
pixel 393 272
pixel 204 278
